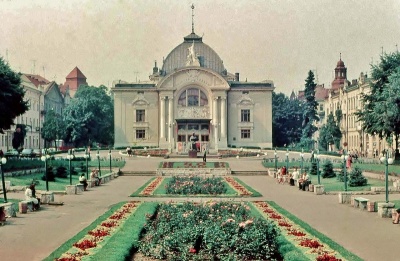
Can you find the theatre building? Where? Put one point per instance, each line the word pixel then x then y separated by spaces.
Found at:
pixel 193 93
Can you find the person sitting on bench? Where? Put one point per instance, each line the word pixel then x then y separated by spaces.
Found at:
pixel 94 176
pixel 30 195
pixel 304 181
pixel 397 216
pixel 82 180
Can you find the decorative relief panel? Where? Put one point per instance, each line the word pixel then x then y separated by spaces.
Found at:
pixel 245 100
pixel 194 112
pixel 140 101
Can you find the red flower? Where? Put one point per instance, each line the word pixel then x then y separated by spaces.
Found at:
pixel 327 257
pixel 85 244
pixel 310 243
pixel 192 250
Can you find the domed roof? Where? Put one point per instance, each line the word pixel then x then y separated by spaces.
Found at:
pixel 208 58
pixel 340 63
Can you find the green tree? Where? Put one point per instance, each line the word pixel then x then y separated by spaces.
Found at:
pixel 356 178
pixel 327 170
pixel 54 127
pixel 380 113
pixel 12 94
pixel 309 111
pixel 90 116
pixel 286 120
pixel 330 133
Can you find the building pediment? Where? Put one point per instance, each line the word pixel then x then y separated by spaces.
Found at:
pixel 193 76
pixel 245 100
pixel 140 100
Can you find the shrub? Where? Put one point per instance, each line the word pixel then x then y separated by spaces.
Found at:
pixel 61 172
pixel 313 170
pixel 50 174
pixel 191 185
pixel 327 170
pixel 356 178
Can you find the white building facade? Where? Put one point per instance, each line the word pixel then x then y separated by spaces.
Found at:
pixel 193 93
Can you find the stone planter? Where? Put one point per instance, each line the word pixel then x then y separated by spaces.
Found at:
pixel 10 209
pixel 345 197
pixel 70 189
pixel 311 187
pixel 371 206
pixel 80 188
pixel 385 209
pixel 319 189
pixel 46 197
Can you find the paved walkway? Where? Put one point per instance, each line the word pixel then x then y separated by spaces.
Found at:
pixel 35 235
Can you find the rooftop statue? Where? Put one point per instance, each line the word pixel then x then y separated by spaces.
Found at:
pixel 192 59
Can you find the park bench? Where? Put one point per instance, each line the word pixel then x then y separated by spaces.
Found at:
pixel 360 202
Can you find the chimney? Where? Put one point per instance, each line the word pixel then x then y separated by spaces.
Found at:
pixel 155 68
pixel 236 77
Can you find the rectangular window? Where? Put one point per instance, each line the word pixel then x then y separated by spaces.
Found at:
pixel 245 116
pixel 182 138
pixel 140 115
pixel 204 138
pixel 140 134
pixel 245 134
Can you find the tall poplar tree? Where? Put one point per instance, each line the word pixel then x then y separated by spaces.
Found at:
pixel 309 111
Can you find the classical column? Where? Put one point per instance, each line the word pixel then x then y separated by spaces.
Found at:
pixel 170 117
pixel 223 117
pixel 162 117
pixel 215 120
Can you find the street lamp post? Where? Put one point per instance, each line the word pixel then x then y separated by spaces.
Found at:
pixel 276 163
pixel 3 161
pixel 302 161
pixel 87 167
pixel 318 174
pixel 388 161
pixel 70 157
pixel 344 158
pixel 109 155
pixel 98 159
pixel 44 158
pixel 287 160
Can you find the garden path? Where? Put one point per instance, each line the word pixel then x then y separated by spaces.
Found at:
pixel 35 235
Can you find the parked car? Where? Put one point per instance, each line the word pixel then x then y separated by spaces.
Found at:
pixel 13 153
pixel 27 153
pixel 37 153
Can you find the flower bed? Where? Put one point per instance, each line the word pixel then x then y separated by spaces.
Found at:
pixel 209 231
pixel 192 185
pixel 311 246
pixel 98 235
pixel 238 187
pixel 199 186
pixel 187 165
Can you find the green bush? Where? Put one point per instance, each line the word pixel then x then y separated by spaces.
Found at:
pixel 61 172
pixel 313 170
pixel 50 174
pixel 356 178
pixel 327 170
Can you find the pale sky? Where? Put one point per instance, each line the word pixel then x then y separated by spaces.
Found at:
pixel 278 40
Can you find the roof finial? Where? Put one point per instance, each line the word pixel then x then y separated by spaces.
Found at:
pixel 340 56
pixel 192 18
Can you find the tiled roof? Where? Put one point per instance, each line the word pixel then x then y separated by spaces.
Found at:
pixel 75 73
pixel 37 79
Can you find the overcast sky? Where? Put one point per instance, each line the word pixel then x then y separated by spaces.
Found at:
pixel 261 39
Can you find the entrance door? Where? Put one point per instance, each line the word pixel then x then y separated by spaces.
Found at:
pixel 185 130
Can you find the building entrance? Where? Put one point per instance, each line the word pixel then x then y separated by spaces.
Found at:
pixel 186 128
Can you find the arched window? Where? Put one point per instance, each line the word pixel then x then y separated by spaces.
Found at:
pixel 193 97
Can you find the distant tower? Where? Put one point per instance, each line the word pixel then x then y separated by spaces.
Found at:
pixel 340 74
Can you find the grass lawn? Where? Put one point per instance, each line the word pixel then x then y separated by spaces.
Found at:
pixel 58 185
pixel 332 184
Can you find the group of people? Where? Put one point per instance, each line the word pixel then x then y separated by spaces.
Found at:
pixel 302 181
pixel 129 151
pixel 94 175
